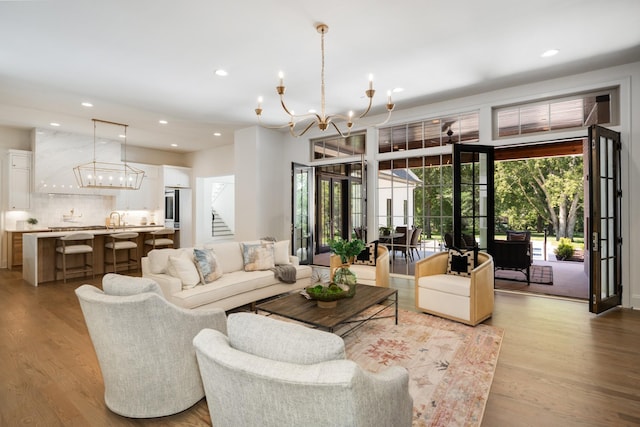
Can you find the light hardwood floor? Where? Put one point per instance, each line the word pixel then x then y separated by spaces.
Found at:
pixel 558 366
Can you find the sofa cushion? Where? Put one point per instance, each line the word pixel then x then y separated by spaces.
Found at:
pixel 258 256
pixel 230 284
pixel 460 262
pixel 182 266
pixel 229 255
pixel 448 283
pixel 159 259
pixel 207 265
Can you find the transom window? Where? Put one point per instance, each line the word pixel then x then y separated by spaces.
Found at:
pixel 567 112
pixel 337 147
pixel 434 132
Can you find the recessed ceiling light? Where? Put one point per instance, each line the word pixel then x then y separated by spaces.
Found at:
pixel 87 104
pixel 163 122
pixel 217 134
pixel 174 145
pixel 221 73
pixel 397 89
pixel 54 124
pixel 122 136
pixel 549 53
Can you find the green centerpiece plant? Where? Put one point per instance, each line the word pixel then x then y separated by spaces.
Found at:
pixel 344 280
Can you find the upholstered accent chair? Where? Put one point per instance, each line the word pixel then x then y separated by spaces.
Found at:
pixel 375 273
pixel 466 299
pixel 144 346
pixel 271 373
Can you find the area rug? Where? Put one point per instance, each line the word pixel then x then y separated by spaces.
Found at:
pixel 542 274
pixel 450 365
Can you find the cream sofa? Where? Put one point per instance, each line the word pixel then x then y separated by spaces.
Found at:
pixel 373 275
pixel 234 288
pixel 464 299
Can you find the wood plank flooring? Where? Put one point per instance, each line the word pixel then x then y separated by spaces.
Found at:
pixel 559 365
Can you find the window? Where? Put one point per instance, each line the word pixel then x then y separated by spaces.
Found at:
pixel 434 132
pixel 337 147
pixel 568 112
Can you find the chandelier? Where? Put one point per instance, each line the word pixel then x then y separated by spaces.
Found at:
pixel 106 175
pixel 307 121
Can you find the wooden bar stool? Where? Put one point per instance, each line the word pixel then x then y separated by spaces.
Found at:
pixel 159 239
pixel 120 242
pixel 74 244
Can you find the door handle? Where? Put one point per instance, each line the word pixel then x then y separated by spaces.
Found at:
pixel 595 241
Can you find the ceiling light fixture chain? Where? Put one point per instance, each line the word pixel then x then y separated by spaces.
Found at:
pixel 322 120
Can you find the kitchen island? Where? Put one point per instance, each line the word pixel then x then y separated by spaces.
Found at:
pixel 39 250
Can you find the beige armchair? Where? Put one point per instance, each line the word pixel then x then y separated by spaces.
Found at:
pixel 270 373
pixel 464 299
pixel 377 275
pixel 144 346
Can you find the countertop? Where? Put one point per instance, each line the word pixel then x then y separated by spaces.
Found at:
pixel 129 228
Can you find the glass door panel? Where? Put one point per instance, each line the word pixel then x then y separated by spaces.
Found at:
pixel 302 214
pixel 605 194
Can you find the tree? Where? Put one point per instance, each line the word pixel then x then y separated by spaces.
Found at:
pixel 547 188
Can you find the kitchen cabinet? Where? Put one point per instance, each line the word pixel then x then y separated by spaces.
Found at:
pixel 148 197
pixel 176 176
pixel 19 180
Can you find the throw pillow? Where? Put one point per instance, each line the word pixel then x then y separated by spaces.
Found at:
pixel 207 264
pixel 369 254
pixel 257 256
pixel 183 268
pixel 281 252
pixel 460 263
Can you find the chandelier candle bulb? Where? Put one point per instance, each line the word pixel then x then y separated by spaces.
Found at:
pixel 370 81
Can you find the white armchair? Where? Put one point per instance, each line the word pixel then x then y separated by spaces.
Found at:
pixel 144 346
pixel 464 299
pixel 271 373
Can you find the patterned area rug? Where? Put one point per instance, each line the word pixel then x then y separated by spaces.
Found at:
pixel 450 365
pixel 542 274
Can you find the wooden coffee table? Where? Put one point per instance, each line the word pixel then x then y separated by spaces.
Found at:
pixel 296 307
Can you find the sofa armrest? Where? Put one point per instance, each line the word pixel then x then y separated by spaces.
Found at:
pixel 169 284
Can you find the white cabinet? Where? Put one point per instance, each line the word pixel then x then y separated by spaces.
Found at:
pixel 148 197
pixel 19 180
pixel 176 176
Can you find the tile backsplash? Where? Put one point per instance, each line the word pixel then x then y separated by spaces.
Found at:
pixel 55 210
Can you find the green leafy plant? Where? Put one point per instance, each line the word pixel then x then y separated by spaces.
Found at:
pixel 565 249
pixel 346 249
pixel 32 221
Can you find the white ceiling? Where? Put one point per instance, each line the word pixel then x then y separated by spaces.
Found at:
pixel 145 60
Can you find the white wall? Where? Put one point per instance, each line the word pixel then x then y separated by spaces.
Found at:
pixel 261 181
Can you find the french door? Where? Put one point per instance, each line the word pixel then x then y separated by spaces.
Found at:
pixel 331 210
pixel 604 222
pixel 302 213
pixel 473 203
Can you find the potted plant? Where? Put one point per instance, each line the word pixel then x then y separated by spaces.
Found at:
pixel 32 222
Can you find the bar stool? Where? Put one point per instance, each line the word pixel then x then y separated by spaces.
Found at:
pixel 121 241
pixel 74 244
pixel 160 239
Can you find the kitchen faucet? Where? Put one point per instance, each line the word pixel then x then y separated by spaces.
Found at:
pixel 117 214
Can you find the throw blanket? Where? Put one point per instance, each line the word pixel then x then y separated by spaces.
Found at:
pixel 285 273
